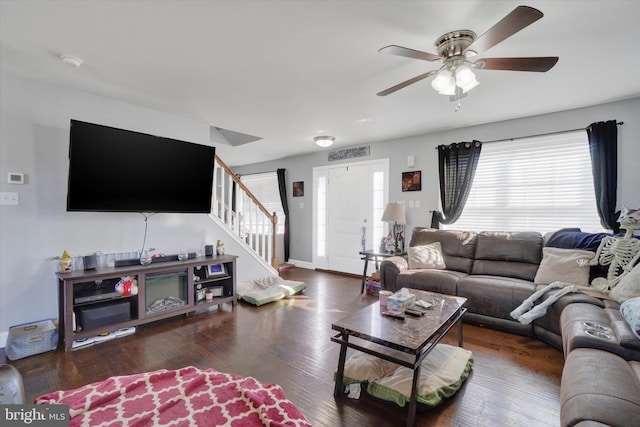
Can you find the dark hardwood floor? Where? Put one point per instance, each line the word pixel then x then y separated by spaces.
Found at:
pixel 515 380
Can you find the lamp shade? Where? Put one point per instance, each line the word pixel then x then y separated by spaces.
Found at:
pixel 394 212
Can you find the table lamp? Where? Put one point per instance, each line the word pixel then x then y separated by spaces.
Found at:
pixel 394 212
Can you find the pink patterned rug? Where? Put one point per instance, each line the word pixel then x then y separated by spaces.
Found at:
pixel 186 397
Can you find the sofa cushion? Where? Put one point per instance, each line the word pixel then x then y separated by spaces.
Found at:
pixel 494 296
pixel 562 265
pixel 458 247
pixel 599 386
pixel 440 281
pixel 426 256
pixel 508 254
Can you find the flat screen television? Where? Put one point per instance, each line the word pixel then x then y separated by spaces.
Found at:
pixel 117 170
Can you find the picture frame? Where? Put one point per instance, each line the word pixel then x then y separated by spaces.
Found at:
pixel 298 189
pixel 216 270
pixel 412 181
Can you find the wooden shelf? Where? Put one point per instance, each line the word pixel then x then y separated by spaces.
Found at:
pixel 185 272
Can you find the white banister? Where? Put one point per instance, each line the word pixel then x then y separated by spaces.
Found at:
pixel 247 218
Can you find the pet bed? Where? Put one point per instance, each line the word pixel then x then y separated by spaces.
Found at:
pixel 268 289
pixel 442 373
pixel 185 397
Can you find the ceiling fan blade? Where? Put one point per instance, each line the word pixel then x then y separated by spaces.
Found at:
pixel 407 83
pixel 539 64
pixel 409 53
pixel 519 18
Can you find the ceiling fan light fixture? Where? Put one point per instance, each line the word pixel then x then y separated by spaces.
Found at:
pixel 324 141
pixel 443 81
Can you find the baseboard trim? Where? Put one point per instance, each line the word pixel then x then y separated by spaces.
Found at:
pixel 302 264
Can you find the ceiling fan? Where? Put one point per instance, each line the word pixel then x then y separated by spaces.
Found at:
pixel 455 49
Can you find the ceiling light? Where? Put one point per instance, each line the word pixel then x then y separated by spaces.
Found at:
pixel 324 141
pixel 455 74
pixel 71 60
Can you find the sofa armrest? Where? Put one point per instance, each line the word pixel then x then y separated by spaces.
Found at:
pixel 389 270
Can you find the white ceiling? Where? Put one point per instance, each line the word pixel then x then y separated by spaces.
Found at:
pixel 291 70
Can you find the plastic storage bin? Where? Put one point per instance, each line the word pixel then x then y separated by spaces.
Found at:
pixel 31 338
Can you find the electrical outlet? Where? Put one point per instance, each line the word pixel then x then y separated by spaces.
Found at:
pixel 9 198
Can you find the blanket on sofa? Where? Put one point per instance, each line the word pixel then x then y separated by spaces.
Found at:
pixel 185 397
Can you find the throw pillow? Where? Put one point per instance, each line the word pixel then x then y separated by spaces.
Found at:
pixel 426 256
pixel 562 265
pixel 630 310
pixel 628 287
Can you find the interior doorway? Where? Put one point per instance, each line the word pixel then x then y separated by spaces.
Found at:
pixel 348 197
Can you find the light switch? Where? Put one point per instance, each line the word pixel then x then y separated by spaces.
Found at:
pixel 417 203
pixel 9 198
pixel 410 203
pixel 301 205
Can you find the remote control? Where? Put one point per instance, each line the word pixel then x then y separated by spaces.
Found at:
pixel 414 313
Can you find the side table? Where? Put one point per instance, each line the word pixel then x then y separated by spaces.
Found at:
pixel 374 255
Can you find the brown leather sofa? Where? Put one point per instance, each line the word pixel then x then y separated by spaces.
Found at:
pixel 495 272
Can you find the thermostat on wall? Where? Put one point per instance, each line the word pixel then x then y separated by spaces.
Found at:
pixel 15 178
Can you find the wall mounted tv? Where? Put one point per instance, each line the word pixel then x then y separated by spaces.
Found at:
pixel 116 170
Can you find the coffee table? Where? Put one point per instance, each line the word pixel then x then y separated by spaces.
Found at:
pixel 403 341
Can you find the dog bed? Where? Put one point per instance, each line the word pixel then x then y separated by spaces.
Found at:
pixel 268 289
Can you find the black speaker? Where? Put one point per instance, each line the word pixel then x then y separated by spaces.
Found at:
pixel 208 250
pixel 90 262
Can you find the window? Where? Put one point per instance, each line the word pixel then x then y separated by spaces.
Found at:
pixel 539 183
pixel 265 187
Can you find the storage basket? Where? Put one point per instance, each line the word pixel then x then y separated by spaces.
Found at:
pixel 31 338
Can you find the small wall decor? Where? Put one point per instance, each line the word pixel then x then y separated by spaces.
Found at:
pixel 349 153
pixel 298 189
pixel 412 181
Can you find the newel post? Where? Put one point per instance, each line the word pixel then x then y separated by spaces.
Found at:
pixel 274 257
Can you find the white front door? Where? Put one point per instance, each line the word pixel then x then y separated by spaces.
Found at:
pixel 348 201
pixel 346 198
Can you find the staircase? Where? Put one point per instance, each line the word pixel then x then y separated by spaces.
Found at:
pixel 241 215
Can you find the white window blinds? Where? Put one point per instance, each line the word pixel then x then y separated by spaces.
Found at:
pixel 540 183
pixel 265 187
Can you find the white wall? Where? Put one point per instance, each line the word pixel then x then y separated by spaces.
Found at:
pixel 34 140
pixel 426 160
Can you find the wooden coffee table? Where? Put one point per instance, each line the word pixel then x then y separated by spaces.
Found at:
pixel 405 342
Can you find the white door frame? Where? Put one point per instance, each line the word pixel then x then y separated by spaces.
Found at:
pixel 321 261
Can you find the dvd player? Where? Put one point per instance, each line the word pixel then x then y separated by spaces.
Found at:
pixel 102 294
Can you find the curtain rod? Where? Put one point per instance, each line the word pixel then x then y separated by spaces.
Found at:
pixel 540 134
pixel 255 173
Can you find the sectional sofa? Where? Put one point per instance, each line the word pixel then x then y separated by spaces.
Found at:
pixel 497 272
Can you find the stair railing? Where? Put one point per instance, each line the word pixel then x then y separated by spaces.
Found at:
pixel 235 205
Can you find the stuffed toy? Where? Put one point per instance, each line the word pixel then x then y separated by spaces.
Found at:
pixel 127 286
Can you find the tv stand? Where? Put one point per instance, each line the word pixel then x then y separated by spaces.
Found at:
pixel 88 305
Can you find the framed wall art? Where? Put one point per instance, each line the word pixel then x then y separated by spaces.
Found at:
pixel 412 181
pixel 298 189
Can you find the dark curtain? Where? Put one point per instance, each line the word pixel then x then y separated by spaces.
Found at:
pixel 282 186
pixel 457 165
pixel 603 146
